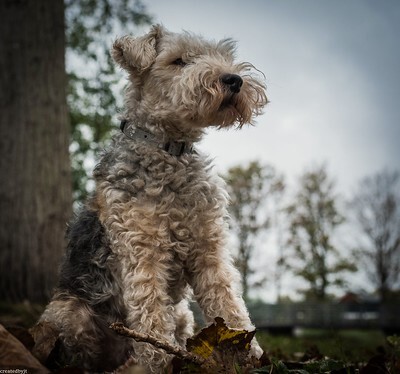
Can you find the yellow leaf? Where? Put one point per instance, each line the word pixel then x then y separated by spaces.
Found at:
pixel 219 336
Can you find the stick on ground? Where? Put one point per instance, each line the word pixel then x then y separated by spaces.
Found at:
pixel 120 329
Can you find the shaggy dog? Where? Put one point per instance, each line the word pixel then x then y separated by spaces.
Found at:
pixel 154 232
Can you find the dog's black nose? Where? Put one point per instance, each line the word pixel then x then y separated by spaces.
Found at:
pixel 232 81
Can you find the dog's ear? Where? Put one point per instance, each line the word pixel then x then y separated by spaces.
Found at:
pixel 137 54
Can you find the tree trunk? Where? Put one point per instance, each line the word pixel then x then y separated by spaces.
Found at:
pixel 35 188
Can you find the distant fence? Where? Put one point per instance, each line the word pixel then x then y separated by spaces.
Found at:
pixel 326 315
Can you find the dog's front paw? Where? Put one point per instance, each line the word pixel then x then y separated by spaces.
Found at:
pixel 255 349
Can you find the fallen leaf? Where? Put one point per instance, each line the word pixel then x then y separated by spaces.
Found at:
pixel 217 336
pixel 14 355
pixel 225 350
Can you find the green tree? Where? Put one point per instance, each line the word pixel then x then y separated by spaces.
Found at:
pixel 313 217
pixel 253 190
pixel 94 86
pixel 376 206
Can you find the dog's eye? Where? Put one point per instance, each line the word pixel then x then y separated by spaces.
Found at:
pixel 179 62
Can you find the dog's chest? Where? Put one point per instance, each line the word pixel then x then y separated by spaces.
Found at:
pixel 174 203
pixel 186 195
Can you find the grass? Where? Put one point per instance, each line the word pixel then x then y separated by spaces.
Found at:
pixel 350 348
pixel 344 345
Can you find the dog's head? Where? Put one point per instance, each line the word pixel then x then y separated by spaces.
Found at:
pixel 184 80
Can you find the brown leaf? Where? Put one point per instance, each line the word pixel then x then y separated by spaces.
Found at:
pixel 223 348
pixel 376 365
pixel 219 336
pixel 13 354
pixel 23 335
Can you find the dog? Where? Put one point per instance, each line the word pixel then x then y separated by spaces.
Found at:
pixel 153 234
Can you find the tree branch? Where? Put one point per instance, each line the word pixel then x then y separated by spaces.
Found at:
pixel 120 329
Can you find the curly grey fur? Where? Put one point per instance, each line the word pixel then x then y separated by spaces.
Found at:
pixel 155 230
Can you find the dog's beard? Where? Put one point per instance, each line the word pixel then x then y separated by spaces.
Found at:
pixel 223 108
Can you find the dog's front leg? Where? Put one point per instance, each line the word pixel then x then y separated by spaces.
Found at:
pixel 142 249
pixel 149 308
pixel 215 283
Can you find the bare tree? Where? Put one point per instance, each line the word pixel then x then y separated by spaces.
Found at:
pixel 280 268
pixel 35 191
pixel 252 190
pixel 313 217
pixel 377 209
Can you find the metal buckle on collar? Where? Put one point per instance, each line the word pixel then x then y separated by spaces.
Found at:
pixel 177 148
pixel 123 124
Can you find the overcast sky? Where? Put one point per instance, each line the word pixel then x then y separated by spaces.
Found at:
pixel 332 70
pixel 333 75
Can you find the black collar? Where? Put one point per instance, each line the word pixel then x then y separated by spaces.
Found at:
pixel 173 147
